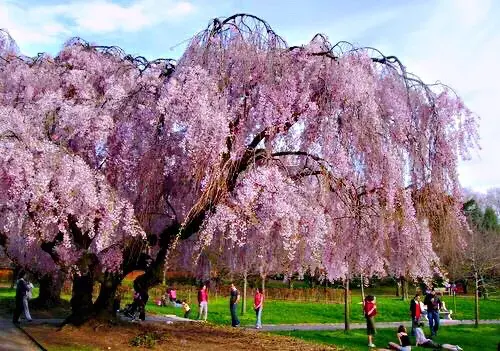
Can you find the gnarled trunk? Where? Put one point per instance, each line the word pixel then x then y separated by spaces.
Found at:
pixel 82 307
pixel 104 304
pixel 50 291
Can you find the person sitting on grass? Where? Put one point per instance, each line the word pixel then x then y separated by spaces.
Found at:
pixel 186 309
pixel 404 340
pixel 422 341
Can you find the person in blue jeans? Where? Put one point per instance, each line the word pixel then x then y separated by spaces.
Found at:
pixel 433 304
pixel 233 305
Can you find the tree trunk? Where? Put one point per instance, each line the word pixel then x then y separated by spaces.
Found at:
pixel 15 273
pixel 403 282
pixel 104 304
pixel 82 307
pixel 362 288
pixel 244 304
pixel 347 313
pixel 398 288
pixel 476 301
pixel 50 291
pixel 263 283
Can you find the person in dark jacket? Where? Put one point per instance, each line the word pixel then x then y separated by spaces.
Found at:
pixel 21 291
pixel 433 304
pixel 415 312
pixel 233 305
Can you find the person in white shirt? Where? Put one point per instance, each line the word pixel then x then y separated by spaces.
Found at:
pixel 422 341
pixel 26 298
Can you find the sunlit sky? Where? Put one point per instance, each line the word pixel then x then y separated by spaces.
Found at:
pixel 454 41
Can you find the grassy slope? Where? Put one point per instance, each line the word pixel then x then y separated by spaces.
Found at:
pixel 484 338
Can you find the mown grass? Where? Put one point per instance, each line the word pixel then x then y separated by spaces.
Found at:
pixel 484 338
pixel 288 312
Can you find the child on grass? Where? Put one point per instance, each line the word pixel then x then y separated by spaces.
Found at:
pixel 186 309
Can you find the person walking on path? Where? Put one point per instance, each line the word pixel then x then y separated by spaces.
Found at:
pixel 415 312
pixel 370 311
pixel 233 305
pixel 422 341
pixel 203 302
pixel 433 304
pixel 258 303
pixel 27 297
pixel 21 290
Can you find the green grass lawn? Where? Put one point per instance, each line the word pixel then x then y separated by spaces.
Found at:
pixel 286 312
pixel 484 338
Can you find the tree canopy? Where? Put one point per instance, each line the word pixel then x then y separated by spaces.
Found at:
pixel 309 156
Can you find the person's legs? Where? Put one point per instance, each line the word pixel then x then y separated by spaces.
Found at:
pixel 234 318
pixel 414 325
pixel 17 310
pixel 430 316
pixel 26 309
pixel 436 322
pixel 393 346
pixel 233 314
pixel 204 310
pixel 430 344
pixel 142 311
pixel 259 316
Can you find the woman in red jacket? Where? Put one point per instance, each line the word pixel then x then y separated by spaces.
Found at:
pixel 370 310
pixel 258 303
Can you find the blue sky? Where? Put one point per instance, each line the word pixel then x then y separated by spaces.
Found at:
pixel 453 41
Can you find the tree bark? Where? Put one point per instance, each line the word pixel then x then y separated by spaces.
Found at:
pixel 347 313
pixel 404 289
pixel 104 304
pixel 82 307
pixel 244 304
pixel 15 273
pixel 476 301
pixel 398 288
pixel 50 291
pixel 362 288
pixel 263 286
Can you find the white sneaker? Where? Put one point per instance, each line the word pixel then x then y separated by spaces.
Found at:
pixel 459 348
pixel 371 345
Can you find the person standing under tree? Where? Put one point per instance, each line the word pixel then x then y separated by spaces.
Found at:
pixel 433 304
pixel 21 290
pixel 28 296
pixel 203 302
pixel 233 305
pixel 370 311
pixel 258 303
pixel 415 312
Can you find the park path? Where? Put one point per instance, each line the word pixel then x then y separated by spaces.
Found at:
pixel 340 326
pixel 13 339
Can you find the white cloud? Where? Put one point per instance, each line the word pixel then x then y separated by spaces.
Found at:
pixel 44 24
pixel 458 45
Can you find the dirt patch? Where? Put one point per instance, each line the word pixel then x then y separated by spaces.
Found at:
pixel 178 336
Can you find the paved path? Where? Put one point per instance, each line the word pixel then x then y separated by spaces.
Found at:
pixel 340 326
pixel 13 339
